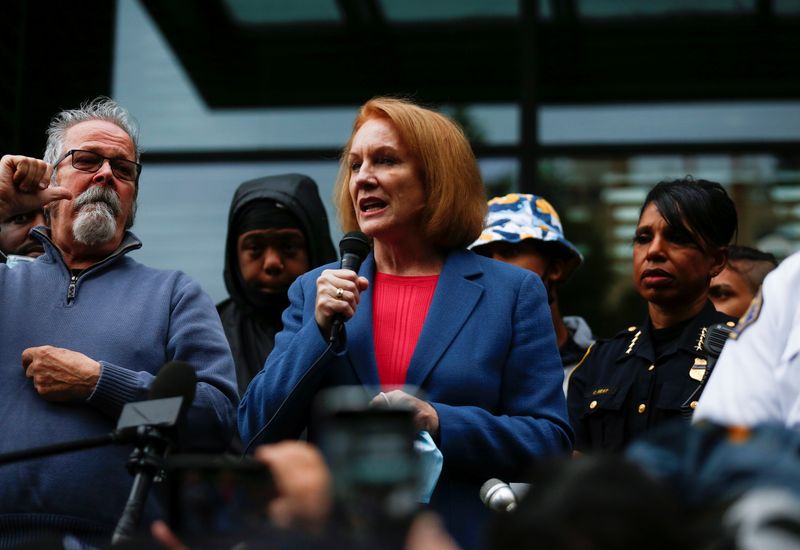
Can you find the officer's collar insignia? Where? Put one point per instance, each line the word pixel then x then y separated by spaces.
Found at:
pixel 701 339
pixel 698 370
pixel 749 316
pixel 633 342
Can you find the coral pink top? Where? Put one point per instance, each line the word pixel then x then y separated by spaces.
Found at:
pixel 399 307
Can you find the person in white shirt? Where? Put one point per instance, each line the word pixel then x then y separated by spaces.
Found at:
pixel 757 377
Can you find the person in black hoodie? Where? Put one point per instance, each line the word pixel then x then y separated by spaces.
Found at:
pixel 277 230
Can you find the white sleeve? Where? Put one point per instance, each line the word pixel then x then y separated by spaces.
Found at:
pixel 757 377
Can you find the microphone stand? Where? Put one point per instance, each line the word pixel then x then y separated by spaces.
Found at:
pixel 146 464
pixel 135 416
pixel 148 424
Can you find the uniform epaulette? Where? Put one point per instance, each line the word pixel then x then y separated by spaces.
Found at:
pixel 627 331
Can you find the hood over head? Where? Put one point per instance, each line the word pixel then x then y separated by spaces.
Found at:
pixel 287 200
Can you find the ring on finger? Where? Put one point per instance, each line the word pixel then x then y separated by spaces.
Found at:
pixel 339 293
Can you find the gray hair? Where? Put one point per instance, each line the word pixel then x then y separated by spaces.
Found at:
pixel 100 108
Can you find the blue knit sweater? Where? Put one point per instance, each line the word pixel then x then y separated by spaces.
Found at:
pixel 130 318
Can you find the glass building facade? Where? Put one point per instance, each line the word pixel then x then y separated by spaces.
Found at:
pixel 593 161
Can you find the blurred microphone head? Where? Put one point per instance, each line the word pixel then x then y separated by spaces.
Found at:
pixel 175 379
pixel 353 248
pixel 498 496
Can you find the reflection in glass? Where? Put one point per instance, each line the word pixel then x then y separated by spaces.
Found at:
pixel 283 11
pixel 425 10
pixel 634 8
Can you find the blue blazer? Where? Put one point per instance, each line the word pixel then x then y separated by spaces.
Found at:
pixel 486 360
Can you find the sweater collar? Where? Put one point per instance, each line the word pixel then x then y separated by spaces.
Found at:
pixel 52 254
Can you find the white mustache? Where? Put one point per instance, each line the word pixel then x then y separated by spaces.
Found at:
pixel 99 193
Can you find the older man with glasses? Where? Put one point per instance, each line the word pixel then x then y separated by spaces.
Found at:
pixel 84 330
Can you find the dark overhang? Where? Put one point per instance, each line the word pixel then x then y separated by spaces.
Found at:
pixel 744 54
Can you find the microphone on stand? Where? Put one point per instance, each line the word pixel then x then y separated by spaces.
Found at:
pixel 157 412
pixel 353 249
pixel 175 381
pixel 498 496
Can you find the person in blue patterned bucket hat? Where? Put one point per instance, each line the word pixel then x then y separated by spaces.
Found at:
pixel 525 230
pixel 516 217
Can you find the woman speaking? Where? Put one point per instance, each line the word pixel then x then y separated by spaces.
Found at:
pixel 474 334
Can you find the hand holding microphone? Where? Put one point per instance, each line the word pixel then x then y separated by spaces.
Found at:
pixel 338 290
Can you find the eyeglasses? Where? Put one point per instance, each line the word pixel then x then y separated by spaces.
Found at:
pixel 89 161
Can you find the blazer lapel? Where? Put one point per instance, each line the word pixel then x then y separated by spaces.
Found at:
pixel 360 341
pixel 454 300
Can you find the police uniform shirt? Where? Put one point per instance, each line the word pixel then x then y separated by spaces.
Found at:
pixel 621 389
pixel 757 377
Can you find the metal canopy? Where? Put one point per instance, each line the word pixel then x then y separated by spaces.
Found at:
pixel 744 54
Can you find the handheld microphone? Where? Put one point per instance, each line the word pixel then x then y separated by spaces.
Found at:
pixel 353 248
pixel 498 496
pixel 716 337
pixel 175 379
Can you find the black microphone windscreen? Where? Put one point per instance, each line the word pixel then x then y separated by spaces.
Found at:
pixel 175 379
pixel 355 243
pixel 353 248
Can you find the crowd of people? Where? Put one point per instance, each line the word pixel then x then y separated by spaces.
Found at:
pixel 450 322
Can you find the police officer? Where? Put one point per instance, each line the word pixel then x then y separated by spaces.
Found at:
pixel 757 378
pixel 645 374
